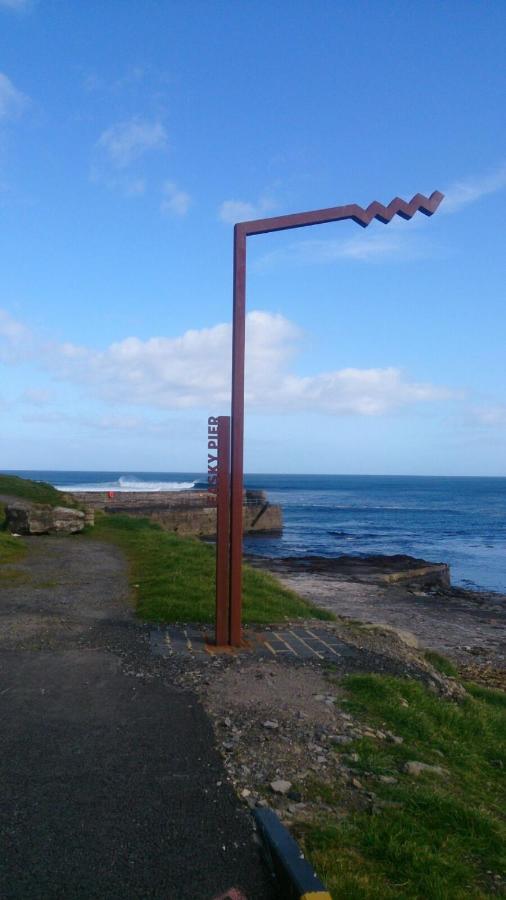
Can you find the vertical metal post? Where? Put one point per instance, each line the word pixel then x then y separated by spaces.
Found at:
pixel 222 634
pixel 236 497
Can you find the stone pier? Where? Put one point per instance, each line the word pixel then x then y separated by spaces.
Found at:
pixel 185 512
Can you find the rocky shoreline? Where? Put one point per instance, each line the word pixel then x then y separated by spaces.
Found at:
pixel 469 627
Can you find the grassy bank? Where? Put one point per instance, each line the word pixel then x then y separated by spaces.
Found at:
pixel 173 577
pixel 36 491
pixel 435 836
pixel 11 548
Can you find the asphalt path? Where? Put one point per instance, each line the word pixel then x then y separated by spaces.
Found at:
pixel 111 783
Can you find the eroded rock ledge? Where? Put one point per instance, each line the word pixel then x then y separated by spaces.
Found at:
pixel 382 570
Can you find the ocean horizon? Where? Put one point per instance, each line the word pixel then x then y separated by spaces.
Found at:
pixel 460 520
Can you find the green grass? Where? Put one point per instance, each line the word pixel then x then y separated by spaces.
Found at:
pixel 174 577
pixel 446 840
pixel 441 663
pixel 11 548
pixel 10 576
pixel 37 491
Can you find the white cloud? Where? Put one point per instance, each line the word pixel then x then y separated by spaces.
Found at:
pixel 193 370
pixel 12 101
pixel 366 392
pixel 48 417
pixel 373 246
pixel 119 150
pixel 174 200
pixel 233 211
pixel 126 142
pixel 112 423
pixel 10 329
pixel 469 190
pixel 115 425
pixel 493 415
pixel 130 187
pixel 16 5
pixel 36 396
pixel 15 339
pixel 94 83
pixel 381 245
pixel 118 423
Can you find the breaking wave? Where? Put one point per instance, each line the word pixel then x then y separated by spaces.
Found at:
pixel 131 484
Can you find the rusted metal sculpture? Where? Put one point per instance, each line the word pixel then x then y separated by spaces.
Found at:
pixel 363 217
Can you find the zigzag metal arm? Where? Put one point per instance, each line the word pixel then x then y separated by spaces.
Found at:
pixel 399 207
pixel 363 217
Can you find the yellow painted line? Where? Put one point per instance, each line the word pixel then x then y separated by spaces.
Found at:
pixel 316 652
pixel 316 895
pixel 278 636
pixel 270 648
pixel 323 642
pixel 167 639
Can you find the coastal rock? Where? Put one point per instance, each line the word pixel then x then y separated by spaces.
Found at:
pixel 43 519
pixel 399 569
pixel 407 637
pixel 419 768
pixel 394 738
pixel 280 786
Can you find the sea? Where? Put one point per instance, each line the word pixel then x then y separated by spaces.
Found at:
pixel 457 520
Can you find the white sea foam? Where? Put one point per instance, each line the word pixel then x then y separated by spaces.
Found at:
pixel 131 484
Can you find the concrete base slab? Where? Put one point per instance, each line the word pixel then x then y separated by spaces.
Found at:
pixel 302 642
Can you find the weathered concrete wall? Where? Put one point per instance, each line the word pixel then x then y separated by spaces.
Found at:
pixel 185 512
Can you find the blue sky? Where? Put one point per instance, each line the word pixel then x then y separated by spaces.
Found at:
pixel 133 134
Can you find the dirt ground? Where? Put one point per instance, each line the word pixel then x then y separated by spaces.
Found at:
pixel 61 592
pixel 285 728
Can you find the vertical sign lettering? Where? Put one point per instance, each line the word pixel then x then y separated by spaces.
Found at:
pixel 212 454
